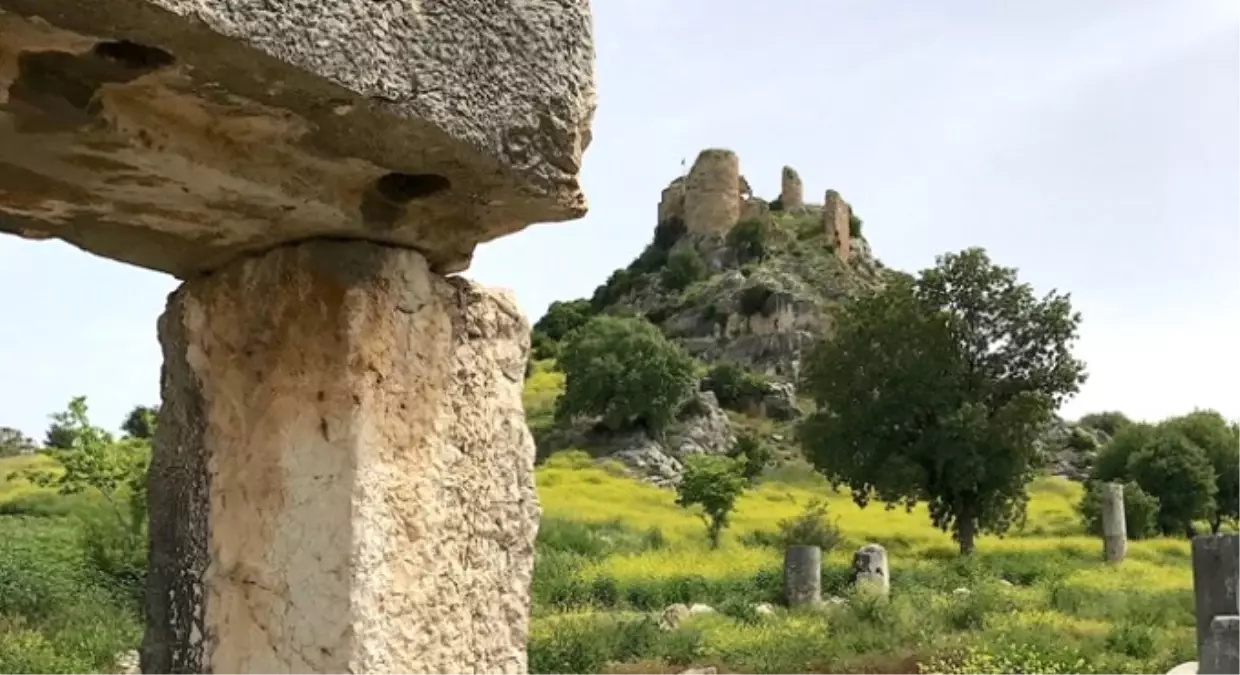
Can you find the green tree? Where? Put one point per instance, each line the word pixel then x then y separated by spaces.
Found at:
pixel 684 266
pixel 1220 441
pixel 935 388
pixel 1108 422
pixel 625 371
pixel 734 385
pixel 748 240
pixel 96 460
pixel 563 318
pixel 1176 471
pixel 14 442
pixel 713 483
pixel 1111 464
pixel 141 421
pixel 752 454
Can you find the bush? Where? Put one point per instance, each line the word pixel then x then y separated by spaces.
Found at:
pixel 563 318
pixel 734 385
pixel 810 528
pixel 748 239
pixel 1140 511
pixel 752 454
pixel 684 266
pixel 1177 472
pixel 625 371
pixel 1108 423
pixel 614 289
pixel 854 226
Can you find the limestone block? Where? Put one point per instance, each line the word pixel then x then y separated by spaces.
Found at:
pixel 342 478
pixel 835 221
pixel 1221 653
pixel 712 192
pixel 1216 575
pixel 803 575
pixel 870 568
pixel 1114 525
pixel 180 134
pixel 672 201
pixel 791 195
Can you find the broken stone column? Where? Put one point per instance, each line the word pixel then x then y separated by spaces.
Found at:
pixel 790 193
pixel 712 192
pixel 1216 574
pixel 836 221
pixel 803 575
pixel 1220 654
pixel 342 476
pixel 1114 525
pixel 870 568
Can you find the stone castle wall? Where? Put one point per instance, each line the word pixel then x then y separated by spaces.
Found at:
pixel 836 215
pixel 712 193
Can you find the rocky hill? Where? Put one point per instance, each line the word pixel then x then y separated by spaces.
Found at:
pixel 735 278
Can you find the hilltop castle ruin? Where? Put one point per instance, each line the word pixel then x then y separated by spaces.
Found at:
pixel 714 196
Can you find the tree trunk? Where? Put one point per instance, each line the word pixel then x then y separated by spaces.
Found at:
pixel 966 530
pixel 1190 531
pixel 1216 523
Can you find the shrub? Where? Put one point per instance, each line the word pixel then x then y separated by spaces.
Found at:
pixel 542 347
pixel 810 528
pixel 854 225
pixel 667 233
pixel 734 385
pixel 563 318
pixel 614 289
pixel 752 454
pixel 625 371
pixel 1108 423
pixel 748 239
pixel 684 266
pixel 1140 510
pixel 713 483
pixel 1179 474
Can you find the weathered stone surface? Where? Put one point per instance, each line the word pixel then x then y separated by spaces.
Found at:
pixel 712 192
pixel 836 220
pixel 791 194
pixel 1216 576
pixel 672 201
pixel 180 134
pixel 342 439
pixel 802 575
pixel 1186 668
pixel 870 568
pixel 1221 653
pixel 708 432
pixel 673 615
pixel 780 401
pixel 1114 525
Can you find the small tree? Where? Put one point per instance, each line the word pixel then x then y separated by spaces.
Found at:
pixel 935 388
pixel 748 240
pixel 14 442
pixel 713 483
pixel 1111 464
pixel 752 454
pixel 684 266
pixel 96 460
pixel 626 371
pixel 1109 422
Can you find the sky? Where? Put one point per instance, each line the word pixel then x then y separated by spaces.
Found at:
pixel 1095 146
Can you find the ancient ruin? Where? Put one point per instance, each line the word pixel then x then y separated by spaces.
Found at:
pixel 836 221
pixel 712 193
pixel 342 478
pixel 790 193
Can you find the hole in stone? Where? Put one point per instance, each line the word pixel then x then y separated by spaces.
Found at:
pixel 404 187
pixel 133 55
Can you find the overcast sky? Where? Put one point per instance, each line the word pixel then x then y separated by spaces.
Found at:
pixel 1093 145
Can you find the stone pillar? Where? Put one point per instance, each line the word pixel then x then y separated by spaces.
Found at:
pixel 344 477
pixel 836 221
pixel 672 201
pixel 870 568
pixel 1216 574
pixel 712 192
pixel 802 575
pixel 1114 524
pixel 1221 652
pixel 790 192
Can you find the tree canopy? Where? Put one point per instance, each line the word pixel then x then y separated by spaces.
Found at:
pixel 935 388
pixel 713 483
pixel 625 371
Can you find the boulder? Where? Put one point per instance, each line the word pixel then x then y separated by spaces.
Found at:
pixel 870 568
pixel 779 402
pixel 704 430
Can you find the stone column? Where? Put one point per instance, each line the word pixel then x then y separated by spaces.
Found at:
pixel 837 222
pixel 1114 524
pixel 344 482
pixel 802 575
pixel 870 568
pixel 712 192
pixel 1220 655
pixel 790 191
pixel 1216 574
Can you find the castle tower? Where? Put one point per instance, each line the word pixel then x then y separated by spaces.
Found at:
pixel 712 192
pixel 790 194
pixel 836 217
pixel 672 201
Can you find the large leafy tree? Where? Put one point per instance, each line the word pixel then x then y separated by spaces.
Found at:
pixel 935 388
pixel 1177 471
pixel 626 372
pixel 140 422
pixel 1220 441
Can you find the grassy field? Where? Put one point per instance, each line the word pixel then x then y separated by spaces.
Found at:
pixel 613 553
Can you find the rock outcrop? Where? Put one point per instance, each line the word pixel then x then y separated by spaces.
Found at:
pixel 837 223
